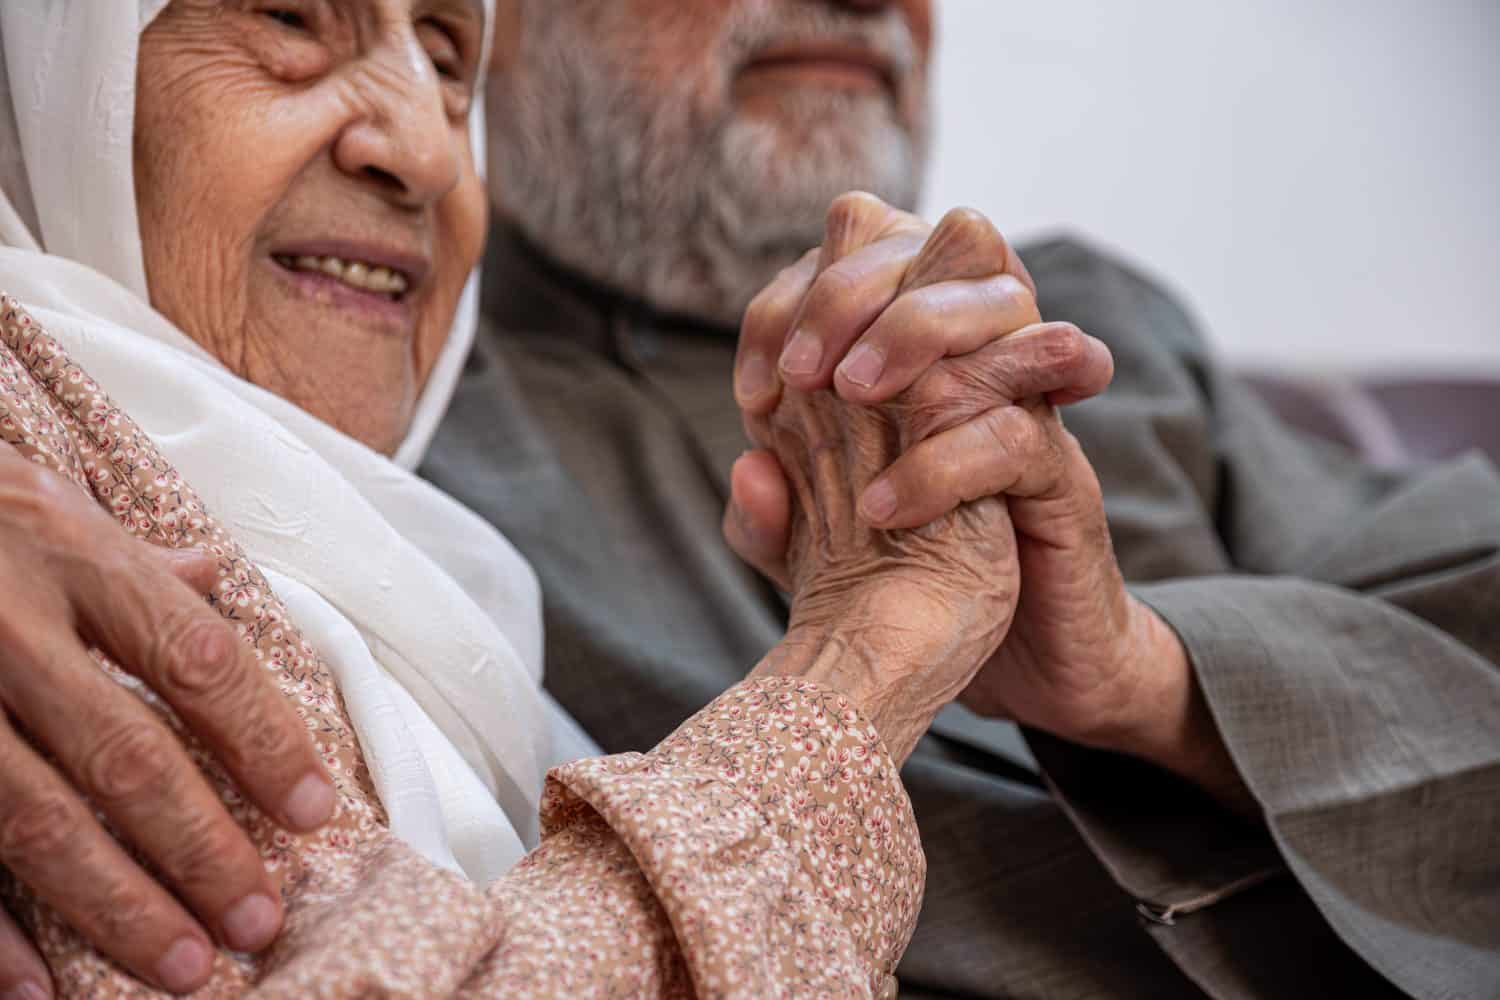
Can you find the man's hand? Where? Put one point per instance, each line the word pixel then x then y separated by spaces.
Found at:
pixel 73 741
pixel 1083 659
pixel 949 316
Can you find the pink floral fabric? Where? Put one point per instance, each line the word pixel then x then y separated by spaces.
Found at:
pixel 766 849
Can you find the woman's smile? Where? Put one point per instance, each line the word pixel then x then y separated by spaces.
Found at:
pixel 374 284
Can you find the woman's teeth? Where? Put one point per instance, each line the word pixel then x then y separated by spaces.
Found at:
pixel 355 273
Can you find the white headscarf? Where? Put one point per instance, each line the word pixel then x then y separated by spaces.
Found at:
pixel 429 618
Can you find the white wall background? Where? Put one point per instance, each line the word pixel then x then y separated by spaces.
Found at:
pixel 1319 179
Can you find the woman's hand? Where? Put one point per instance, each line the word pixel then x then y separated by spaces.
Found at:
pixel 898 621
pixel 895 619
pixel 73 741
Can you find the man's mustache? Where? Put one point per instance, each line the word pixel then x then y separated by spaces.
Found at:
pixel 888 38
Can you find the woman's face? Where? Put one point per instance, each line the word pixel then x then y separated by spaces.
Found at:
pixel 309 205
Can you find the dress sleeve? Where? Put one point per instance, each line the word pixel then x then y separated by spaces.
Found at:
pixel 766 848
pixel 1341 621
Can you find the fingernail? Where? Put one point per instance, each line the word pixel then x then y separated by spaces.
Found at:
pixel 755 378
pixel 802 354
pixel 879 502
pixel 29 990
pixel 310 803
pixel 863 365
pixel 184 965
pixel 252 923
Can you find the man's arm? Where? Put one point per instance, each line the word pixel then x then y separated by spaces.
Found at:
pixel 1289 607
pixel 1339 621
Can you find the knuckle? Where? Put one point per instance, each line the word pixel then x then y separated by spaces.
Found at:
pixel 769 315
pixel 1063 348
pixel 991 424
pixel 941 386
pixel 996 376
pixel 1031 439
pixel 1001 429
pixel 930 404
pixel 921 320
pixel 970 221
pixel 42 502
pixel 198 655
pixel 128 760
pixel 118 911
pixel 39 830
pixel 945 476
pixel 973 229
pixel 260 738
pixel 203 852
pixel 849 208
pixel 763 308
pixel 831 292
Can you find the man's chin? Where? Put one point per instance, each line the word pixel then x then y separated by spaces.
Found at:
pixel 798 113
pixel 784 171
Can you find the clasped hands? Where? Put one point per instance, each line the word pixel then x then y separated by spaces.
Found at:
pixel 916 492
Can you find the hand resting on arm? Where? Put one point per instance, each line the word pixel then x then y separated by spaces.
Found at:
pixel 72 740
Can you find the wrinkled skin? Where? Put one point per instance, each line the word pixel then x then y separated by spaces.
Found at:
pixel 914 612
pixel 357 113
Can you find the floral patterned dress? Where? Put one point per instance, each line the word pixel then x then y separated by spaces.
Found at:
pixel 765 849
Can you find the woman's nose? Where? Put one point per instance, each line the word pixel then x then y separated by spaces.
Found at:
pixel 404 141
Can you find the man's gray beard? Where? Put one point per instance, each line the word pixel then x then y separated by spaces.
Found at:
pixel 652 197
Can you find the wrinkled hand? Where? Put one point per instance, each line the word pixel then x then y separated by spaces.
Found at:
pixel 899 621
pixel 908 294
pixel 1082 658
pixel 950 314
pixel 73 741
pixel 970 374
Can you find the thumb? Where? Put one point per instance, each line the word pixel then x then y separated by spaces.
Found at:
pixel 757 522
pixel 194 567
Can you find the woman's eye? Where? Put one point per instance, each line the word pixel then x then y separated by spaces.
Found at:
pixel 287 18
pixel 443 50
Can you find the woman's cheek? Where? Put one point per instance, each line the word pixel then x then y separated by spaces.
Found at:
pixel 463 220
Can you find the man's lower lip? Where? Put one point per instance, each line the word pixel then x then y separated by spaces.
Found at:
pixel 371 306
pixel 828 73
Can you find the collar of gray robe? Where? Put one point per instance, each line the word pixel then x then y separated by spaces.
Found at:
pixel 527 292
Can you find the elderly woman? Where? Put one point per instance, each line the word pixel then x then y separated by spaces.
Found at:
pixel 241 256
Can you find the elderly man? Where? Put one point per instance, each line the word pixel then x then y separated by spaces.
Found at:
pixel 1269 768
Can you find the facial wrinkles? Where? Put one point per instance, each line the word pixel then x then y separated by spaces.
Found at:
pixel 674 193
pixel 210 92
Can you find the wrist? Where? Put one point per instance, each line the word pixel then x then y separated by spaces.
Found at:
pixel 1170 724
pixel 1155 695
pixel 886 687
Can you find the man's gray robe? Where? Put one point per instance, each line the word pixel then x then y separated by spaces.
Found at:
pixel 1344 622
